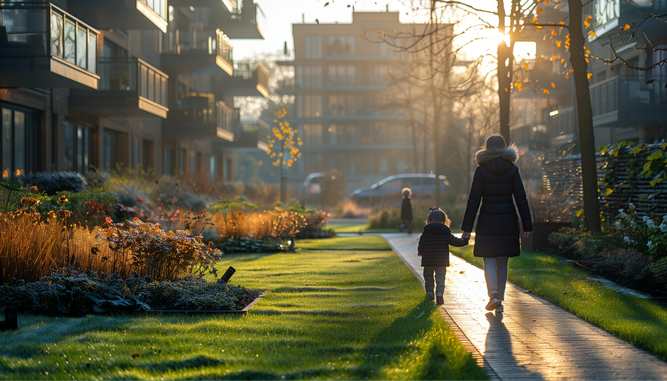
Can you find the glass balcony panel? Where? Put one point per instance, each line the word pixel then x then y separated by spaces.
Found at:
pixel 144 82
pixel 56 34
pixel 70 42
pixel 151 84
pixel 81 44
pixel 92 49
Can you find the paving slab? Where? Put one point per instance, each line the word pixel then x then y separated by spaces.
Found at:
pixel 533 339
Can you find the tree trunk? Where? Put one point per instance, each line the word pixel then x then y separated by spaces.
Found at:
pixel 436 109
pixel 585 118
pixel 504 76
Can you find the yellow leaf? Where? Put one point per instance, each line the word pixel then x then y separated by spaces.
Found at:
pixel 589 75
pixel 280 154
pixel 539 11
pixel 539 59
pixel 534 20
pixel 275 121
pixel 591 34
pixel 506 89
pixel 554 58
pixel 546 91
pixel 518 85
pixel 525 67
pixel 608 191
pixel 268 152
pixel 562 60
pixel 587 24
pixel 559 43
pixel 626 27
pixel 589 17
pixel 580 212
pixel 553 85
pixel 588 52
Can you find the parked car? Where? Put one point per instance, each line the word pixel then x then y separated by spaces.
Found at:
pixel 388 190
pixel 313 183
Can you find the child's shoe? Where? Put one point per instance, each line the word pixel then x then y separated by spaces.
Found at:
pixel 429 296
pixel 440 300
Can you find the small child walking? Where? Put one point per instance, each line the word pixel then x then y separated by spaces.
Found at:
pixel 406 209
pixel 434 250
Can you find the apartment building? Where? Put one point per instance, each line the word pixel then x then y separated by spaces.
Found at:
pixel 341 86
pixel 627 104
pixel 124 83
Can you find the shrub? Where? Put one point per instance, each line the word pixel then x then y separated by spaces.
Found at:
pixel 390 218
pixel 52 183
pixel 88 208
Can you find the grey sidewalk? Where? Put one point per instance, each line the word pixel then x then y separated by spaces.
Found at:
pixel 533 339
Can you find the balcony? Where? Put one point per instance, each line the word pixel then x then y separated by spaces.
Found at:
pixel 199 119
pixel 197 52
pixel 43 46
pixel 618 101
pixel 129 87
pixel 249 80
pixel 225 5
pixel 245 21
pixel 611 15
pixel 122 14
pixel 249 135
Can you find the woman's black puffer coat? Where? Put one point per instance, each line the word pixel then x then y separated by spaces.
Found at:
pixel 495 183
pixel 434 245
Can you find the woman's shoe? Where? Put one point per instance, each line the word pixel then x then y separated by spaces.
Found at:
pixel 500 308
pixel 494 302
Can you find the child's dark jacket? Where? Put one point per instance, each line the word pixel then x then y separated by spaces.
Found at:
pixel 434 245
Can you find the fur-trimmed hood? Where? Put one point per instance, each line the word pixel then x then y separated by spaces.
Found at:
pixel 509 154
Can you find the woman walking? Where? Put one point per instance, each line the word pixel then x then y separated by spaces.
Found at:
pixel 495 182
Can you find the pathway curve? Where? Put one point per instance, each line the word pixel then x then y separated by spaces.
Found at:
pixel 533 339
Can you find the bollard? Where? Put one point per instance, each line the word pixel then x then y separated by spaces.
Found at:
pixel 228 274
pixel 11 320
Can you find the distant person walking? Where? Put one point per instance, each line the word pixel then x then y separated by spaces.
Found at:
pixel 434 249
pixel 495 182
pixel 406 209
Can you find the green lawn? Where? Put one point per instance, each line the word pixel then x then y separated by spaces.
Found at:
pixel 355 313
pixel 638 321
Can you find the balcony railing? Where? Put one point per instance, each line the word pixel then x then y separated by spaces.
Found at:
pixel 183 42
pixel 225 117
pixel 42 30
pixel 248 70
pixel 159 6
pixel 249 12
pixel 615 92
pixel 134 75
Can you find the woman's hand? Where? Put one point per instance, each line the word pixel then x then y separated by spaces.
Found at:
pixel 465 235
pixel 526 234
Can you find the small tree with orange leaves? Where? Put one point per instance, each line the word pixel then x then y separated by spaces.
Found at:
pixel 286 151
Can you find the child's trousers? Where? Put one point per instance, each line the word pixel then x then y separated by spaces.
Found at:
pixel 440 273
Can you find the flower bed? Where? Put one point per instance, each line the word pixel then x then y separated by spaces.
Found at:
pixel 633 253
pixel 72 293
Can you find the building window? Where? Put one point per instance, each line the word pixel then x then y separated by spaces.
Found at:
pixel 77 156
pixel 342 105
pixel 309 77
pixel 313 46
pixel 342 135
pixel 312 135
pixel 309 106
pixel 19 148
pixel 114 148
pixel 166 161
pixel 379 74
pixel 342 75
pixel 388 134
pixel 341 46
pixel 135 153
pixel 213 170
pixel 147 153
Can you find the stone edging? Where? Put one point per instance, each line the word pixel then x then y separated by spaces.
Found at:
pixel 239 312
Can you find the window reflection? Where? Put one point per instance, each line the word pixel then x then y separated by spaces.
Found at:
pixel 70 38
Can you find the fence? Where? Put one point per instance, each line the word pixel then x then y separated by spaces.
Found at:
pixel 562 179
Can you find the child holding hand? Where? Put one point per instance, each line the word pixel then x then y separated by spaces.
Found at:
pixel 434 250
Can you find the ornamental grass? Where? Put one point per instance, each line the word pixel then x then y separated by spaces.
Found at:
pixel 31 247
